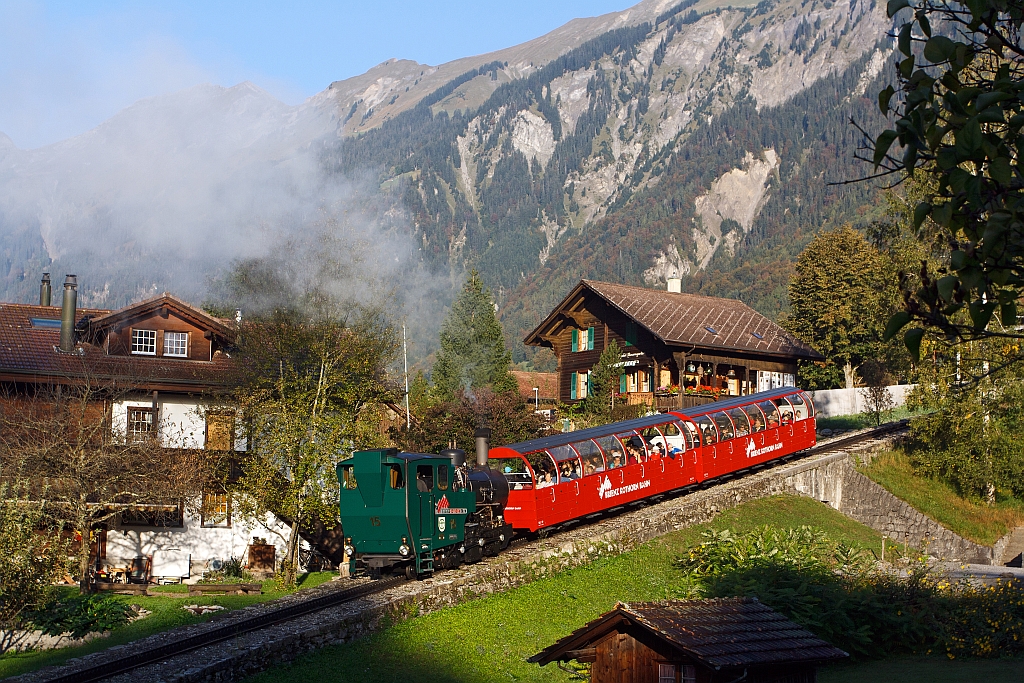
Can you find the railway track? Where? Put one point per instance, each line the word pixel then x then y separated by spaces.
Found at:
pixel 175 647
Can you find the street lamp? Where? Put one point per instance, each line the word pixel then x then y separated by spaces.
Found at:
pixel 536 398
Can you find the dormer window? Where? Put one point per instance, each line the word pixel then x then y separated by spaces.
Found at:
pixel 176 344
pixel 144 342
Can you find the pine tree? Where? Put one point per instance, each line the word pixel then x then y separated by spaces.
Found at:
pixel 604 378
pixel 472 353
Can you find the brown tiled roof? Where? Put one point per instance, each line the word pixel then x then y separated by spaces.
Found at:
pixel 720 633
pixel 688 320
pixel 27 354
pixel 547 382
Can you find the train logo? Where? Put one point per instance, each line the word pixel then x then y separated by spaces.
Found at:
pixel 757 452
pixel 750 448
pixel 443 509
pixel 441 524
pixel 606 486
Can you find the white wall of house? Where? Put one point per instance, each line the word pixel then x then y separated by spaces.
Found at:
pixel 185 552
pixel 182 420
pixel 836 402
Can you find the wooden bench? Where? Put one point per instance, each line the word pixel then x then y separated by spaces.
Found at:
pixel 128 588
pixel 225 589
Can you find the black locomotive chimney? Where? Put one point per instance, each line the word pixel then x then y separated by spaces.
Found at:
pixel 67 314
pixel 482 435
pixel 44 290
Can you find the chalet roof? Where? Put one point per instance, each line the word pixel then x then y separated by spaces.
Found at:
pixel 187 311
pixel 27 354
pixel 547 382
pixel 688 320
pixel 720 633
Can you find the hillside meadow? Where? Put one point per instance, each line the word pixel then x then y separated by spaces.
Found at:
pixel 491 638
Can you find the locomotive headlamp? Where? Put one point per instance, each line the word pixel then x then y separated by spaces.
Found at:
pixel 403 550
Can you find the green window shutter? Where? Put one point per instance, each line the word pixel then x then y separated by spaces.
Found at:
pixel 622 383
pixel 630 335
pixel 574 378
pixel 590 339
pixel 575 340
pixel 650 380
pixel 590 383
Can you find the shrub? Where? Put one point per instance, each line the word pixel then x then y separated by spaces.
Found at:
pixel 842 595
pixel 81 614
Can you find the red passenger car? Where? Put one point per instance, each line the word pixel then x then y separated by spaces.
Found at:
pixel 561 477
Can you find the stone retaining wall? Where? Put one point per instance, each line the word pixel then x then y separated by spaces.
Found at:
pixel 829 478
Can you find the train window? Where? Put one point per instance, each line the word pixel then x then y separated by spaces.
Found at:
pixel 590 458
pixel 799 407
pixel 611 447
pixel 636 446
pixel 674 437
pixel 348 477
pixel 442 477
pixel 771 414
pixel 725 429
pixel 568 462
pixel 395 477
pixel 708 433
pixel 543 469
pixel 424 478
pixel 809 403
pixel 692 438
pixel 785 411
pixel 739 418
pixel 756 417
pixel 516 473
pixel 655 441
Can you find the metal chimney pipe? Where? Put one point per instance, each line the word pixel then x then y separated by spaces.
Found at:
pixel 67 314
pixel 45 290
pixel 482 435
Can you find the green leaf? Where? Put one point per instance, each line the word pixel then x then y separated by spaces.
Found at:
pixel 912 340
pixel 1008 314
pixel 903 41
pixel 958 260
pixel 894 6
pixel 947 286
pixel 968 139
pixel 981 314
pixel 884 97
pixel 1000 171
pixel 882 145
pixel 896 323
pixel 937 49
pixel 921 212
pixel 943 214
pixel 986 100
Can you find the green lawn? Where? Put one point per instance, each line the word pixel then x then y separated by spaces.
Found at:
pixel 970 517
pixel 924 670
pixel 863 421
pixel 166 613
pixel 489 639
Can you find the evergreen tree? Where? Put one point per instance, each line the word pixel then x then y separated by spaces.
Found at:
pixel 472 353
pixel 604 378
pixel 837 301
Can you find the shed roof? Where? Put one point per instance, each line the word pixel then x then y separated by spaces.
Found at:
pixel 689 320
pixel 546 382
pixel 719 633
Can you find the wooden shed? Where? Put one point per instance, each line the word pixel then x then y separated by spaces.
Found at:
pixel 694 641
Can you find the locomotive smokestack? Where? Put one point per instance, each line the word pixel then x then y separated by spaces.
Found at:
pixel 67 314
pixel 482 435
pixel 45 290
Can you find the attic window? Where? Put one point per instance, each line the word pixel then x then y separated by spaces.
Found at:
pixel 176 344
pixel 48 323
pixel 144 342
pixel 710 329
pixel 758 335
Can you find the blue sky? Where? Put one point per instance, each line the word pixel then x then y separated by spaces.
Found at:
pixel 67 66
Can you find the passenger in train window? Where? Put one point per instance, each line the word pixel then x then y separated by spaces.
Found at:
pixel 724 424
pixel 692 438
pixel 567 474
pixel 616 461
pixel 590 469
pixel 637 444
pixel 546 481
pixel 656 451
pixel 708 435
pixel 756 418
pixel 634 456
pixel 739 418
pixel 785 411
pixel 799 407
pixel 771 413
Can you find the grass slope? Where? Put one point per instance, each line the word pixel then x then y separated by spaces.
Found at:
pixel 972 518
pixel 166 614
pixel 490 639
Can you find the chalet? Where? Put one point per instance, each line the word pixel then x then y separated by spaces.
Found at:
pixel 694 641
pixel 174 362
pixel 678 350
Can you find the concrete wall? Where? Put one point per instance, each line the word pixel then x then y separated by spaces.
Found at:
pixel 835 402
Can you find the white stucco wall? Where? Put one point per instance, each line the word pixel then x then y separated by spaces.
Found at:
pixel 185 552
pixel 835 402
pixel 182 420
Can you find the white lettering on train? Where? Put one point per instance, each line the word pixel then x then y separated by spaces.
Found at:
pixel 753 452
pixel 606 491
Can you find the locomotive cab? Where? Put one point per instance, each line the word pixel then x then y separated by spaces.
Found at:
pixel 416 511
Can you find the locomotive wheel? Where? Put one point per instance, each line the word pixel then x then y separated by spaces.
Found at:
pixel 410 572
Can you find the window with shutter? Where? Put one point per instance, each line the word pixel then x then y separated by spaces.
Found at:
pixel 575 340
pixel 590 339
pixel 572 382
pixel 622 383
pixel 220 432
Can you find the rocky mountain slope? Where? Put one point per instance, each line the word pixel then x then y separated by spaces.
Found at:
pixel 682 138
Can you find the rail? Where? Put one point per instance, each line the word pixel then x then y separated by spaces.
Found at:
pixel 153 655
